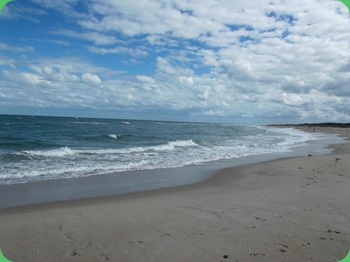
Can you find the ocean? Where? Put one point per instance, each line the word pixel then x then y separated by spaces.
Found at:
pixel 36 148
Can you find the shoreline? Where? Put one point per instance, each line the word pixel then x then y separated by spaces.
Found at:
pixel 290 209
pixel 115 184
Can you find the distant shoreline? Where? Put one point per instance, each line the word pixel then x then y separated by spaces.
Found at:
pixel 328 124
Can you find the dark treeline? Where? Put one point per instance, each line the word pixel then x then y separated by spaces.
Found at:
pixel 330 124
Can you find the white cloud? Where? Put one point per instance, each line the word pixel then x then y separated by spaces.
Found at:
pixel 22 49
pixel 145 79
pixel 235 58
pixel 91 78
pixel 56 83
pixel 36 80
pixel 117 50
pixel 5 61
pixel 97 38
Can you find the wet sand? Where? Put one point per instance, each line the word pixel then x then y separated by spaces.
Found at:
pixel 294 209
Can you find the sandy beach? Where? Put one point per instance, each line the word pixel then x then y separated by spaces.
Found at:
pixel 294 209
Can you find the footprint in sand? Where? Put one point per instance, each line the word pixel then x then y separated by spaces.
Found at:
pixel 68 236
pixel 331 231
pixel 257 255
pixel 284 249
pixel 103 256
pixel 72 253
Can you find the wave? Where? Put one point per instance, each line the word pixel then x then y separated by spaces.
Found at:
pixel 99 138
pixel 105 151
pixel 172 145
pixel 51 164
pixel 274 140
pixel 66 151
pixel 89 123
pixel 114 136
pixel 58 152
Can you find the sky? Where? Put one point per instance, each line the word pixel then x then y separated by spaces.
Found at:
pixel 238 61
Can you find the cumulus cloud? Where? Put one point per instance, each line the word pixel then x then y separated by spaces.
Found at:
pixel 56 83
pixel 91 78
pixel 257 59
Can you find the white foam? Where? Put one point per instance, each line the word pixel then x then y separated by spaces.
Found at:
pixel 170 146
pixel 173 145
pixel 59 152
pixel 66 151
pixel 291 137
pixel 114 136
pixel 183 143
pixel 58 171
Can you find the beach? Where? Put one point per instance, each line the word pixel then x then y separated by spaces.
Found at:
pixel 291 209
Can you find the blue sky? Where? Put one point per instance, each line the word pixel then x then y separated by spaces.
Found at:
pixel 251 61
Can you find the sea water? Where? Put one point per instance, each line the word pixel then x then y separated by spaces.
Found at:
pixel 34 148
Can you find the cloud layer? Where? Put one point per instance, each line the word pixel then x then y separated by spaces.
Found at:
pixel 244 61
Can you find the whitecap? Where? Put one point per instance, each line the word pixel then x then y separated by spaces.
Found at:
pixel 58 152
pixel 114 136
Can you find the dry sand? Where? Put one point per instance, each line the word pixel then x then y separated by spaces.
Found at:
pixel 293 209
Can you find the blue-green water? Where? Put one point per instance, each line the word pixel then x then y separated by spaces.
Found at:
pixel 44 148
